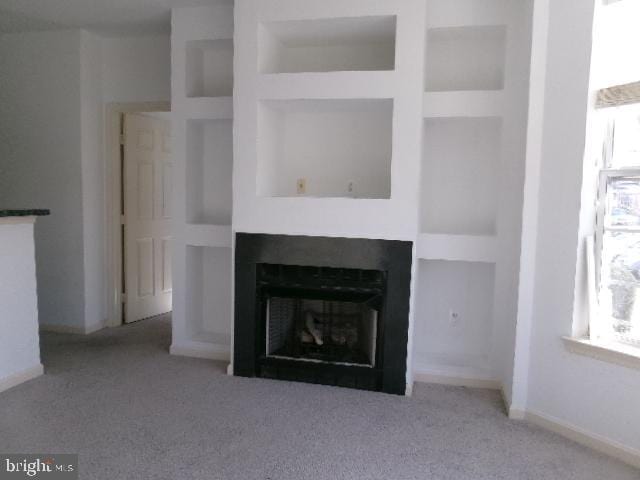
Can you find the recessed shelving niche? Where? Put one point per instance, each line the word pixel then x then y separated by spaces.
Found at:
pixel 454 316
pixel 465 58
pixel 209 170
pixel 460 175
pixel 208 290
pixel 328 45
pixel 209 68
pixel 337 148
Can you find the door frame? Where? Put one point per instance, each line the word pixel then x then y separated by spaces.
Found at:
pixel 114 113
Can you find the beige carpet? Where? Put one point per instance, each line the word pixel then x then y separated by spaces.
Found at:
pixel 132 411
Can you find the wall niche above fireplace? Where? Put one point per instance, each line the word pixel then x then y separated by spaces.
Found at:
pixel 323 310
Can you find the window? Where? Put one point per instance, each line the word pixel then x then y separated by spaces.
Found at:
pixel 618 228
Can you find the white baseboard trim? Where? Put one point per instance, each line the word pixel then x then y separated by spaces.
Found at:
pixel 204 350
pixel 513 413
pixel 597 442
pixel 17 378
pixel 86 330
pixel 594 441
pixel 457 381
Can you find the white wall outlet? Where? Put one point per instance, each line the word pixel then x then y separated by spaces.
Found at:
pixel 350 188
pixel 301 186
pixel 454 316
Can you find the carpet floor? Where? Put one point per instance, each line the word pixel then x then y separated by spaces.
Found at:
pixel 132 411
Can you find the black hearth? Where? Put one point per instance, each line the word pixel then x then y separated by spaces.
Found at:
pixel 322 310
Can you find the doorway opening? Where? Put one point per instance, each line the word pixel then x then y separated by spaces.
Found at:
pixel 139 198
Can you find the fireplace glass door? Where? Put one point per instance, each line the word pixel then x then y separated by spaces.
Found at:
pixel 322 330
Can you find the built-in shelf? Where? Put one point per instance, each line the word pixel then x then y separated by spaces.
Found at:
pixel 208 291
pixel 202 347
pixel 454 318
pixel 200 235
pixel 462 248
pixel 325 148
pixel 463 104
pixel 209 68
pixel 327 45
pixel 467 13
pixel 460 179
pixel 209 170
pixel 207 108
pixel 465 58
pixel 335 85
pixel 469 371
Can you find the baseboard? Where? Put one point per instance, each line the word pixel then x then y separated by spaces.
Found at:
pixel 21 377
pixel 512 412
pixel 67 329
pixel 457 381
pixel 201 350
pixel 597 442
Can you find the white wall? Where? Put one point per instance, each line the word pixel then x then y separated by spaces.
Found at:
pixel 463 344
pixel 93 180
pixel 136 69
pixel 53 87
pixel 19 339
pixel 40 160
pixel 592 395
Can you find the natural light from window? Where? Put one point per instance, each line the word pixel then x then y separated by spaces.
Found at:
pixel 618 234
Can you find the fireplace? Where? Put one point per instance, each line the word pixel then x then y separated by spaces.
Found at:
pixel 322 310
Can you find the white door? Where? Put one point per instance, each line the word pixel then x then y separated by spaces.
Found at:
pixel 147 213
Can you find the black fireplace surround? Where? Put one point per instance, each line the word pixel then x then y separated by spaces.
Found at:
pixel 322 310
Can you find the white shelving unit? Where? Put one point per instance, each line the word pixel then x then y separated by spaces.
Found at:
pixel 404 120
pixel 460 175
pixel 458 248
pixel 341 148
pixel 326 94
pixel 214 108
pixel 365 43
pixel 469 197
pixel 465 58
pixel 209 169
pixel 201 235
pixel 202 106
pixel 463 104
pixel 209 68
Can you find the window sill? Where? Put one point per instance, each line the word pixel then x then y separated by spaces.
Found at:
pixel 617 353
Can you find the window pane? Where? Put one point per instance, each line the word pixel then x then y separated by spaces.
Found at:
pixel 620 291
pixel 626 146
pixel 623 202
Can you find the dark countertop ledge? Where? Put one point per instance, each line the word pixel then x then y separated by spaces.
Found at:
pixel 24 213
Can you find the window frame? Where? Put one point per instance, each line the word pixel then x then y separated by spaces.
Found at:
pixel 606 174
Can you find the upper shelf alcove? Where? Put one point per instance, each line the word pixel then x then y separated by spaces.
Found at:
pixel 325 148
pixel 465 58
pixel 209 65
pixel 327 45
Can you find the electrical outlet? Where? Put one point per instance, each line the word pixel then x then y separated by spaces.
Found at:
pixel 350 188
pixel 301 186
pixel 454 316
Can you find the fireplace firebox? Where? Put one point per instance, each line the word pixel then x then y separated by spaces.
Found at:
pixel 322 310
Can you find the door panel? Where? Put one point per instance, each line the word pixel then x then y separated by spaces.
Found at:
pixel 147 214
pixel 145 191
pixel 145 267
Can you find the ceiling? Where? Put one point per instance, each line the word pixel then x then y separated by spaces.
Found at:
pixel 109 17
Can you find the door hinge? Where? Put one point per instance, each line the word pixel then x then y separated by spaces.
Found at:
pixel 122 138
pixel 121 219
pixel 124 298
